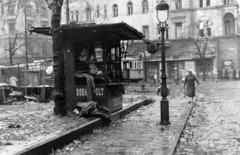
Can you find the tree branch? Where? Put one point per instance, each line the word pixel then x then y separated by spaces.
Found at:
pixel 14 50
pixel 196 45
pixel 15 39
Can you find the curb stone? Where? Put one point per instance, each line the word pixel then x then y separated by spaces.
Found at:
pixel 65 138
pixel 185 122
pixel 165 149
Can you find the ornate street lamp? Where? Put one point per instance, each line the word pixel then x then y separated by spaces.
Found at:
pixel 162 16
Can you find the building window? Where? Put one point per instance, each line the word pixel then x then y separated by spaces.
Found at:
pixel 178 4
pixel 72 15
pixel 200 3
pixel 178 31
pixel 145 30
pixel 145 6
pixel 11 9
pixel 105 11
pixel 226 2
pixel 227 25
pixel 76 15
pixel 130 8
pixel 11 27
pixel 208 3
pixel 98 14
pixel 88 13
pixel 208 28
pixel 208 63
pixel 115 10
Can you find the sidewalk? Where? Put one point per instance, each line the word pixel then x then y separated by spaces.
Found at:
pixel 138 133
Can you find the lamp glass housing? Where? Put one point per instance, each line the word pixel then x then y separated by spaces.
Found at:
pixel 162 15
pixel 162 11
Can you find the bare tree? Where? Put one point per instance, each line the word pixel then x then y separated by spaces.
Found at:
pixel 59 93
pixel 201 43
pixel 11 47
pixel 14 9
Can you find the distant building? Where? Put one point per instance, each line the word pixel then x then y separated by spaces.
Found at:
pixel 220 19
pixel 12 24
pixel 79 11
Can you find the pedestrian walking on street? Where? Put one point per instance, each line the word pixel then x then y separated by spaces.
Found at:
pixel 159 87
pixel 237 74
pixel 226 76
pixel 230 73
pixel 219 74
pixel 183 75
pixel 189 85
pixel 223 73
pixel 155 78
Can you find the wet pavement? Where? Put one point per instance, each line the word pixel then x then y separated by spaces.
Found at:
pixel 138 133
pixel 213 126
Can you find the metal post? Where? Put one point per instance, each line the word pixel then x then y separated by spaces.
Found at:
pixel 18 75
pixel 67 11
pixel 26 44
pixel 164 91
pixel 4 99
pixel 177 73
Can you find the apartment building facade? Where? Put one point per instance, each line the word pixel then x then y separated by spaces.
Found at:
pixel 219 17
pixel 15 15
pixel 79 11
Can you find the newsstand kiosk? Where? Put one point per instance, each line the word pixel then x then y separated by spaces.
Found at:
pixel 92 61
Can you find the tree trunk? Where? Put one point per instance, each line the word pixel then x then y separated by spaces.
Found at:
pixel 204 69
pixel 10 58
pixel 59 93
pixel 10 50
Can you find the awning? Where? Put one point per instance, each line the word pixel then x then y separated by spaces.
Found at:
pixel 95 32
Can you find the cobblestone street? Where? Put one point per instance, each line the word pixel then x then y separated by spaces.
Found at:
pixel 213 126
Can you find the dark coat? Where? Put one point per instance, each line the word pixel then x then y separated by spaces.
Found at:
pixel 189 85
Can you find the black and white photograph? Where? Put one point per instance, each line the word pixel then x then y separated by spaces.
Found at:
pixel 119 77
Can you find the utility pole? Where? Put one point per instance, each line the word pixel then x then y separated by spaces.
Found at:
pixel 67 11
pixel 26 43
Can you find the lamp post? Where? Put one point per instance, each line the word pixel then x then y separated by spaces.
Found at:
pixel 162 16
pixel 26 43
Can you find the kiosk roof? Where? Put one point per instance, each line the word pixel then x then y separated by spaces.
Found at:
pixel 119 31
